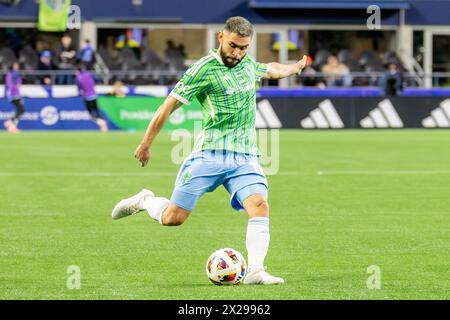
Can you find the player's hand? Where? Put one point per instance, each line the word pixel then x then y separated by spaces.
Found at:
pixel 142 154
pixel 301 64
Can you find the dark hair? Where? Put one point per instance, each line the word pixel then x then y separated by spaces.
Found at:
pixel 240 26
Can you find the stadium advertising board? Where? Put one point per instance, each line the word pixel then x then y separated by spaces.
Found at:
pixel 130 113
pixel 134 113
pixel 353 112
pixel 51 114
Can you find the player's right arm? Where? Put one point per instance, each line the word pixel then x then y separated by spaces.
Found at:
pixel 279 70
pixel 142 153
pixel 193 82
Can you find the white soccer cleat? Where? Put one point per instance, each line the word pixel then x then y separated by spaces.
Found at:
pixel 11 127
pixel 102 125
pixel 132 205
pixel 260 276
pixel 8 123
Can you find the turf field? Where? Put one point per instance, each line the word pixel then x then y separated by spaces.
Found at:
pixel 342 201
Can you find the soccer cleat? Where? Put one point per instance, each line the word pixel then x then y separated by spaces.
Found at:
pixel 13 130
pixel 260 276
pixel 11 127
pixel 132 205
pixel 102 125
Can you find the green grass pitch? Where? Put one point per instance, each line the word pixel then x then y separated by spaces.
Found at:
pixel 342 201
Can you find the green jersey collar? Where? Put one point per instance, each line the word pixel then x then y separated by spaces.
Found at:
pixel 214 53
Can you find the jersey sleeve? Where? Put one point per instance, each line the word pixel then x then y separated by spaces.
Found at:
pixel 261 69
pixel 194 82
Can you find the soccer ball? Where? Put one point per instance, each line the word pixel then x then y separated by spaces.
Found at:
pixel 226 267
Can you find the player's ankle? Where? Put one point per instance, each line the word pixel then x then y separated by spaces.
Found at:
pixel 256 268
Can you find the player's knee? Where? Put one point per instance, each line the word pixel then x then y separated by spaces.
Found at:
pixel 257 205
pixel 262 205
pixel 258 201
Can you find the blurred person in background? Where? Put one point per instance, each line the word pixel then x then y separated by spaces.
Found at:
pixel 174 51
pixel 170 48
pixel 118 90
pixel 86 85
pixel 309 75
pixel 337 74
pixel 45 64
pixel 86 54
pixel 391 82
pixel 182 51
pixel 66 60
pixel 13 82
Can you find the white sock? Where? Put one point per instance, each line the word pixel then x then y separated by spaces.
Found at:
pixel 155 206
pixel 257 242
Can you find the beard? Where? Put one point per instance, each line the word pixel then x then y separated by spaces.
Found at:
pixel 228 61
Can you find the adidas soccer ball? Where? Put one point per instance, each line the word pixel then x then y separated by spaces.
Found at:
pixel 226 267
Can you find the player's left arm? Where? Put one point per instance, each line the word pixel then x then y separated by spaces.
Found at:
pixel 278 70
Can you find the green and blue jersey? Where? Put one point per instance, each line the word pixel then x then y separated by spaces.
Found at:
pixel 228 99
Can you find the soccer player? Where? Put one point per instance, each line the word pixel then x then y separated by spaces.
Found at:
pixel 86 86
pixel 226 152
pixel 13 82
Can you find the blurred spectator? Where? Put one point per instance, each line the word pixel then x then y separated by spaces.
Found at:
pixel 320 59
pixel 118 90
pixel 170 47
pixel 175 56
pixel 309 78
pixel 45 63
pixel 337 73
pixel 86 54
pixel 391 82
pixel 41 45
pixel 172 51
pixel 66 60
pixel 182 51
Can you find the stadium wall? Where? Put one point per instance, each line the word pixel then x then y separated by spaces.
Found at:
pixel 418 12
pixel 60 108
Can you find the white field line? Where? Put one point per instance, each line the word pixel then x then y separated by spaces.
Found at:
pixel 86 174
pixel 173 173
pixel 366 172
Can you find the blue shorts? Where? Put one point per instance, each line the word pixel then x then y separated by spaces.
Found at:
pixel 203 171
